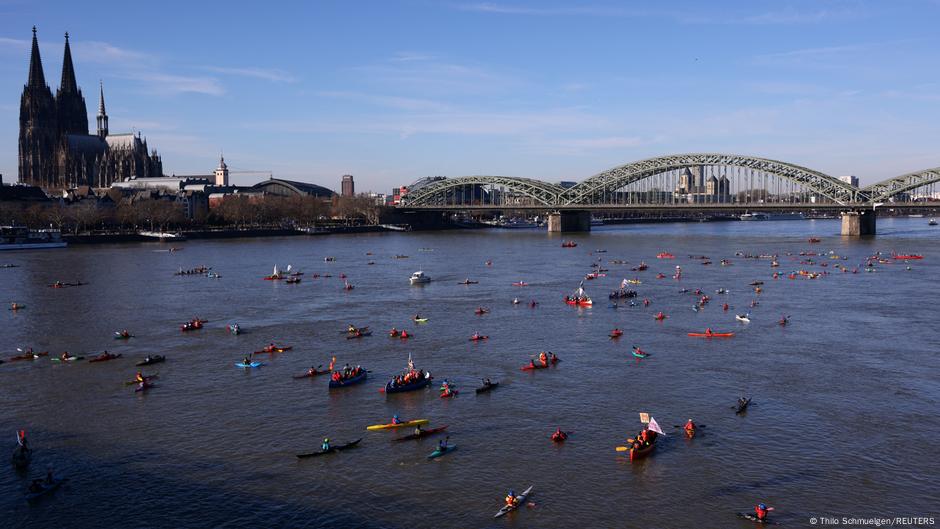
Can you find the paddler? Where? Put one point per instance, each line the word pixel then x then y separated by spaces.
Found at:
pixel 404 334
pixel 351 328
pixel 393 332
pixel 559 435
pixel 139 377
pixel 395 419
pixel 21 440
pixel 543 358
pixel 247 360
pixel 690 427
pixel 418 431
pixel 708 332
pixel 761 510
pixel 725 307
pixel 511 498
pixel 442 445
pixel 326 444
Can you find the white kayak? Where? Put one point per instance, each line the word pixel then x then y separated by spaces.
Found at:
pixel 521 497
pixel 745 318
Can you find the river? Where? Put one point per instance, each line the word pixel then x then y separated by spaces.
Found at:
pixel 843 421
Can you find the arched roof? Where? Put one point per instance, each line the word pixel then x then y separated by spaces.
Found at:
pixel 289 188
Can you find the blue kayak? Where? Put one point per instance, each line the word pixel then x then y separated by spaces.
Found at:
pixel 350 381
pixel 246 366
pixel 439 452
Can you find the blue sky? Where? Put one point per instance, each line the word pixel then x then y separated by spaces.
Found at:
pixel 393 91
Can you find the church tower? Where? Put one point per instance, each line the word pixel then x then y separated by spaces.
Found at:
pixel 221 173
pixel 70 104
pixel 37 139
pixel 102 115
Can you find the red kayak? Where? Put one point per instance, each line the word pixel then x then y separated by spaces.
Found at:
pixel 269 349
pixel 539 365
pixel 28 356
pixel 711 335
pixel 105 357
pixel 477 338
pixel 906 257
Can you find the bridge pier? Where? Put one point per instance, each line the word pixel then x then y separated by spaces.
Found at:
pixel 858 223
pixel 560 221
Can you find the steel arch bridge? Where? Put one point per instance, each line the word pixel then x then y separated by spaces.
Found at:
pixel 595 192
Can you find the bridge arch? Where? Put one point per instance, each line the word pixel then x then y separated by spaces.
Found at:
pixel 623 175
pixel 886 189
pixel 542 193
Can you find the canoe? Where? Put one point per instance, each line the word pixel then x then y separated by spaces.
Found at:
pixel 105 358
pixel 424 433
pixel 438 452
pixel 153 360
pixel 46 489
pixel 521 501
pixel 741 408
pixel 640 453
pixel 404 424
pixel 487 387
pixel 414 386
pixel 712 335
pixel 360 335
pixel 332 449
pixel 350 381
pixel 246 366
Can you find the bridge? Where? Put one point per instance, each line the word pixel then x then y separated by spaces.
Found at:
pixel 681 182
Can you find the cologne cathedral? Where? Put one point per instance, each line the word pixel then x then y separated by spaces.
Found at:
pixel 55 149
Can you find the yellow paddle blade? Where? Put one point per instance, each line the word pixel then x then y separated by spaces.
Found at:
pixel 623 448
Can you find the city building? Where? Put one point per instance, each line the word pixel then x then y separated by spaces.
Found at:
pixel 55 149
pixel 349 187
pixel 696 188
pixel 850 179
pixel 221 173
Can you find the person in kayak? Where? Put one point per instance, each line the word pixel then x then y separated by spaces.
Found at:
pixel 36 486
pixel 326 444
pixel 709 332
pixel 351 328
pixel 21 440
pixel 395 419
pixel 543 358
pixel 486 382
pixel 247 360
pixel 515 301
pixel 511 500
pixel 559 435
pixel 404 334
pixel 442 445
pixel 139 377
pixel 418 431
pixel 532 363
pixel 690 427
pixel 336 377
pixel 761 510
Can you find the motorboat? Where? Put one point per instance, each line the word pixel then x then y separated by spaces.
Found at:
pixel 418 278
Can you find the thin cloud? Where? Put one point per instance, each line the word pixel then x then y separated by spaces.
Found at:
pixel 170 85
pixel 14 44
pixel 507 9
pixel 267 74
pixel 397 102
pixel 104 53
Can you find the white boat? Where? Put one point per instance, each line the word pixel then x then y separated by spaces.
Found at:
pixel 23 238
pixel 746 318
pixel 932 222
pixel 162 235
pixel 772 216
pixel 419 278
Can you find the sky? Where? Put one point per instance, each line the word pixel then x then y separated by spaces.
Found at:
pixel 394 91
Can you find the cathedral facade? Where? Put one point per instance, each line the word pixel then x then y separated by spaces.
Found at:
pixel 55 149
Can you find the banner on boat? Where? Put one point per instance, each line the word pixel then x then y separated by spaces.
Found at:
pixel 654 426
pixel 644 418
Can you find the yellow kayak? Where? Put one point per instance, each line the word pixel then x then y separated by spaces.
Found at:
pixel 404 424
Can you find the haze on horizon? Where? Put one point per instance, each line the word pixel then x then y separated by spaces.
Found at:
pixel 394 91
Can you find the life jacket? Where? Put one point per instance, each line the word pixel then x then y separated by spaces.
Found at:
pixel 761 513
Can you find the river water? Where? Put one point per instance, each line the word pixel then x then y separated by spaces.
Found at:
pixel 843 421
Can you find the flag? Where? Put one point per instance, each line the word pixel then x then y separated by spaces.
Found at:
pixel 411 364
pixel 332 361
pixel 644 418
pixel 623 284
pixel 654 426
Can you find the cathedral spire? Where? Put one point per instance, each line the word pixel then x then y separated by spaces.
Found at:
pixel 36 77
pixel 102 115
pixel 68 83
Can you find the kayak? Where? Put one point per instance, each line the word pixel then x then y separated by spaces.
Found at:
pixel 640 453
pixel 360 335
pixel 438 452
pixel 414 386
pixel 520 501
pixel 912 256
pixel 560 438
pixel 712 335
pixel 105 357
pixel 424 433
pixel 119 336
pixel 332 449
pixel 309 374
pixel 741 318
pixel 640 355
pixel 246 366
pixel 21 458
pixel 29 356
pixel 151 360
pixel 479 338
pixel 450 394
pixel 350 381
pixel 68 359
pixel 404 424
pixel 753 518
pixel 267 350
pixel 741 408
pixel 539 365
pixel 147 378
pixel 144 387
pixel 487 387
pixel 46 489
pixel 420 320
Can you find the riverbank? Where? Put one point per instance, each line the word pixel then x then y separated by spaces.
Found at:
pixel 112 238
